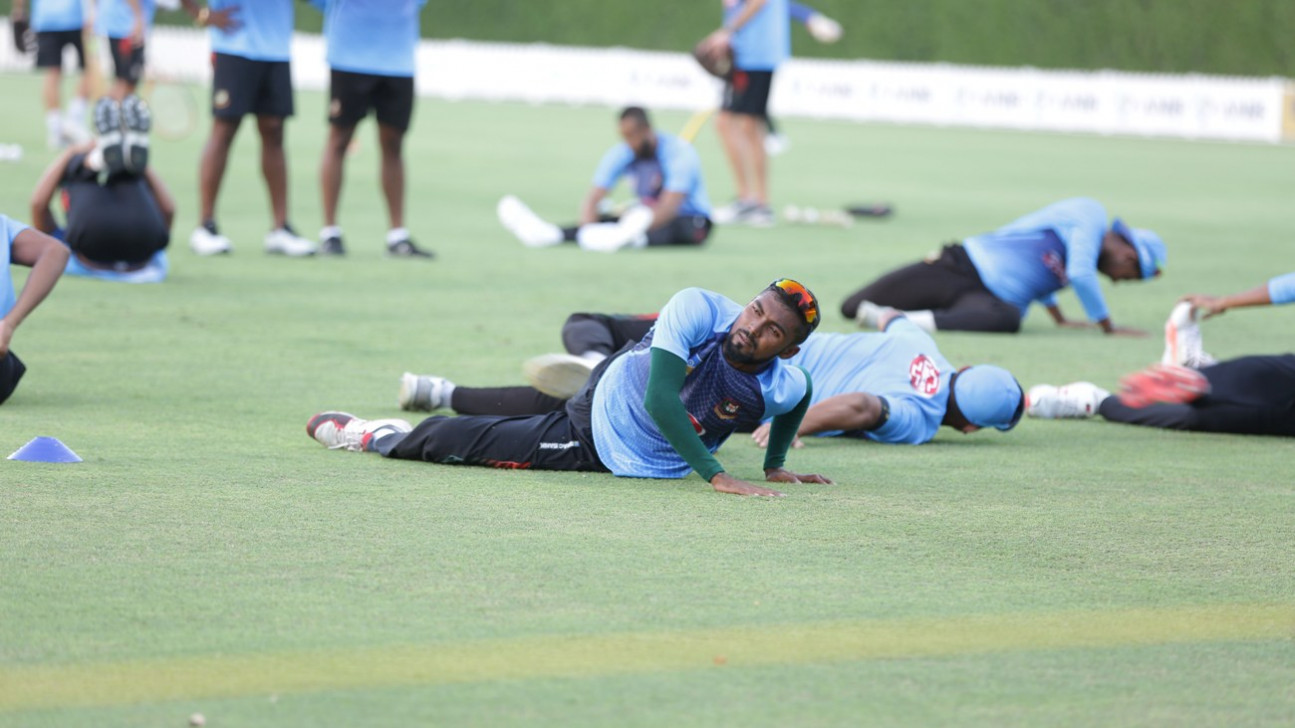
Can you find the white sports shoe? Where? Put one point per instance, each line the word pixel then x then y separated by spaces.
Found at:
pixel 523 223
pixel 602 237
pixel 205 242
pixel 1183 345
pixel 341 430
pixel 285 241
pixel 1078 400
pixel 868 314
pixel 423 393
pixel 823 28
pixel 558 375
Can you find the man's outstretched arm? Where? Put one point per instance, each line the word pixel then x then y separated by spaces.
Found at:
pixel 665 380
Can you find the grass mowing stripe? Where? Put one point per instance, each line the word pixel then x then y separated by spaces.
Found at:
pixel 25 688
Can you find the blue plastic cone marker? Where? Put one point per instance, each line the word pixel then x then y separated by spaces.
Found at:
pixel 45 450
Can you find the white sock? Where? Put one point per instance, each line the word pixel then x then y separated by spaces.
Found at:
pixel 925 320
pixel 94 159
pixel 331 231
pixel 75 110
pixel 396 235
pixel 447 394
pixel 593 356
pixel 54 124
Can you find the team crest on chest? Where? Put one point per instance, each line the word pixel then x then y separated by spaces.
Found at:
pixel 727 408
pixel 924 375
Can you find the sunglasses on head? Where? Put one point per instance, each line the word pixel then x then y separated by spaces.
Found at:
pixel 800 296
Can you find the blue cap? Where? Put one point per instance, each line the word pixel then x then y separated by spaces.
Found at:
pixel 989 396
pixel 1151 249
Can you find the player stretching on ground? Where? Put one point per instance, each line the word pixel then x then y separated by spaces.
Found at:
pixel 987 282
pixel 658 410
pixel 758 33
pixel 251 44
pixel 890 387
pixel 371 51
pixel 118 217
pixel 20 245
pixel 58 24
pixel 1188 390
pixel 666 175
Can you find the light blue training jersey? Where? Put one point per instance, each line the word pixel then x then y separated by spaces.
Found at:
pixel 764 41
pixel 1282 289
pixel 366 36
pixel 48 16
pixel 9 229
pixel 718 398
pixel 115 19
pixel 1032 258
pixel 901 364
pixel 264 31
pixel 674 168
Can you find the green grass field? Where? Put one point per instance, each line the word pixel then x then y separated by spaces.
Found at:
pixel 208 557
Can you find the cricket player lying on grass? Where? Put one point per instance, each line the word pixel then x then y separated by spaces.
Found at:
pixel 987 282
pixel 890 387
pixel 666 173
pixel 658 409
pixel 1189 389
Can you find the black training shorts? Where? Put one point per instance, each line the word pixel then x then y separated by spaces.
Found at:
pixel 50 45
pixel 242 86
pixel 747 92
pixel 127 59
pixel 353 94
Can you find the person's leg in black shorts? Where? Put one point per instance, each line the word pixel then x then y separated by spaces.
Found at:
pixel 128 66
pixel 742 125
pixel 242 86
pixel 62 128
pixel 1253 395
pixel 352 96
pixel 118 224
pixel 541 442
pixel 604 334
pixel 948 287
pixel 11 371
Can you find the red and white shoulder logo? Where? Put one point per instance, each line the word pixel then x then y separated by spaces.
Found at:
pixel 924 375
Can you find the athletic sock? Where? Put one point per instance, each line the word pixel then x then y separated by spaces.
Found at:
pixel 54 127
pixel 396 235
pixel 593 356
pixel 330 231
pixel 94 160
pixel 76 111
pixel 925 320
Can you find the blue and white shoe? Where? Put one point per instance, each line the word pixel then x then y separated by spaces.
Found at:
pixel 137 120
pixel 109 138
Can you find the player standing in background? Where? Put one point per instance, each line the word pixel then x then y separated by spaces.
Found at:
pixel 58 24
pixel 372 51
pixel 987 282
pixel 658 410
pixel 125 23
pixel 20 245
pixel 251 43
pixel 666 175
pixel 759 36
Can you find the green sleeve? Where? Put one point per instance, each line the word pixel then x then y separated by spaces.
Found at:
pixel 783 431
pixel 661 400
